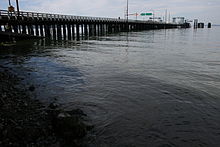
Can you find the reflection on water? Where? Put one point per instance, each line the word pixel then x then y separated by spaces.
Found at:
pixel 150 88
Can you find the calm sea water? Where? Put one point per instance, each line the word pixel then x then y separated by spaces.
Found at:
pixel 156 88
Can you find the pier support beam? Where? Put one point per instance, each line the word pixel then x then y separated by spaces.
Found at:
pixel 42 30
pixel 110 28
pixel 98 28
pixel 82 29
pixel 59 32
pixel 77 32
pixel 30 29
pixel 73 31
pixel 209 25
pixel 69 31
pixel 54 32
pixel 15 28
pixel 24 31
pixel 101 29
pixel 37 30
pixel 90 30
pixel 94 29
pixel 64 31
pixel 86 29
pixel 47 31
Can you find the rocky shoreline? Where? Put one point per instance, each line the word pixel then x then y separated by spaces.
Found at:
pixel 25 121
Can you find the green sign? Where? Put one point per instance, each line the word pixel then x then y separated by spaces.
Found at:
pixel 146 14
pixel 149 13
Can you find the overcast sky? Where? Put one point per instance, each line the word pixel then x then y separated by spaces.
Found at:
pixel 204 10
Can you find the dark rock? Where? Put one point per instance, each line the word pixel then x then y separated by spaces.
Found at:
pixel 53 106
pixel 77 112
pixel 25 104
pixel 1 127
pixel 31 88
pixel 63 115
pixel 69 127
pixel 25 122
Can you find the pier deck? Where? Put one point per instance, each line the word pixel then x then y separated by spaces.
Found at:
pixel 56 26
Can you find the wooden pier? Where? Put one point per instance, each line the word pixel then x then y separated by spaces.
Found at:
pixel 67 27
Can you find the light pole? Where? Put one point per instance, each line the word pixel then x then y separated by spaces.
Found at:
pixel 166 16
pixel 17 3
pixel 153 14
pixel 127 17
pixel 9 2
pixel 127 11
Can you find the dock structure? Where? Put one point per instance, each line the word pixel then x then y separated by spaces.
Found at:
pixel 209 25
pixel 68 27
pixel 201 25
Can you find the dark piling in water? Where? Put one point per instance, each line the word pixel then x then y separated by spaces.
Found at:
pixel 209 25
pixel 201 25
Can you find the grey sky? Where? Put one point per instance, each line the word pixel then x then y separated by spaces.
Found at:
pixel 204 10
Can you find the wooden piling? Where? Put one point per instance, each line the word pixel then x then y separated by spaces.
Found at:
pixel 69 31
pixel 15 28
pixel 77 32
pixel 90 30
pixel 94 29
pixel 98 29
pixel 54 32
pixel 73 31
pixel 42 30
pixel 82 29
pixel 209 25
pixel 37 30
pixel 86 29
pixel 24 31
pixel 59 32
pixel 31 29
pixel 47 30
pixel 64 31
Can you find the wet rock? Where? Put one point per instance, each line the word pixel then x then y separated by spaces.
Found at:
pixel 63 115
pixel 77 112
pixel 53 106
pixel 2 101
pixel 31 88
pixel 1 127
pixel 164 145
pixel 25 104
pixel 69 127
pixel 4 95
pixel 24 122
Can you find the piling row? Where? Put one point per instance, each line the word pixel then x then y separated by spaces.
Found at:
pixel 72 27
